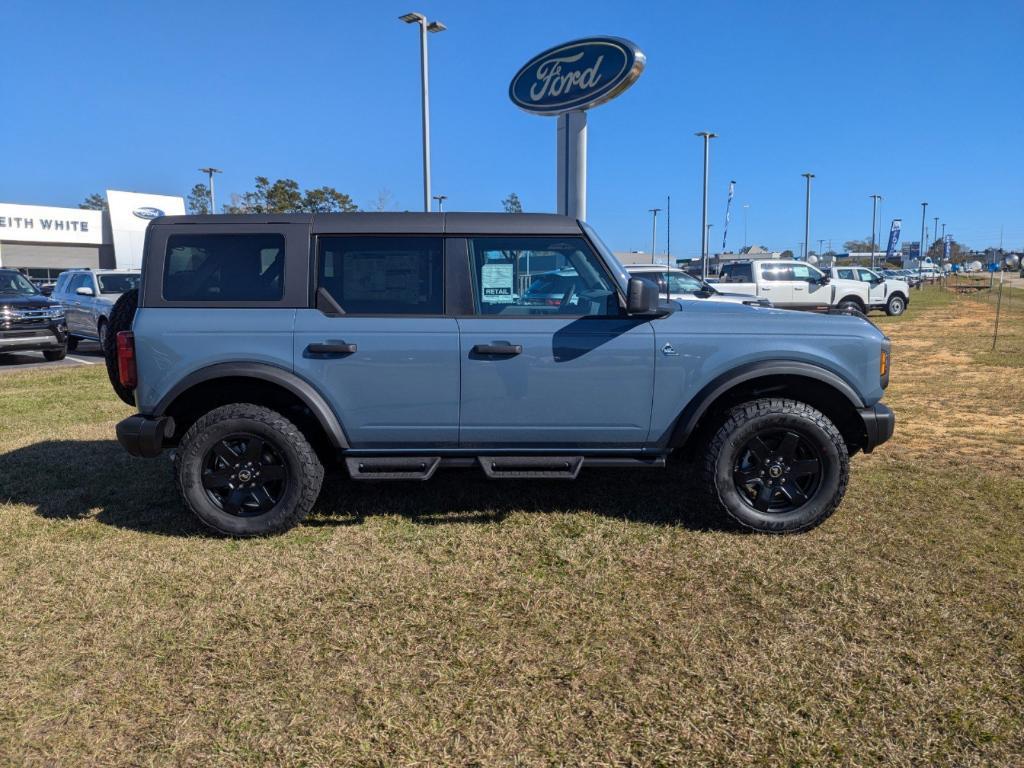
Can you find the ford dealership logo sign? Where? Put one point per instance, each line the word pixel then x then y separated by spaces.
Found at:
pixel 576 75
pixel 146 212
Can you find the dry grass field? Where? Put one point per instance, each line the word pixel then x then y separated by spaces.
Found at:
pixel 605 622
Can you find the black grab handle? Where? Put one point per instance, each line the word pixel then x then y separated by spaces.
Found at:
pixel 498 349
pixel 331 348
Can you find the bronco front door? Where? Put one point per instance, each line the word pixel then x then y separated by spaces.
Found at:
pixel 557 371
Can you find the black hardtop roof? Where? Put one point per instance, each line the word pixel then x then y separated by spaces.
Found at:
pixel 397 223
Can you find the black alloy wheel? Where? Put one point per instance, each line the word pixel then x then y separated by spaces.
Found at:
pixel 777 471
pixel 244 475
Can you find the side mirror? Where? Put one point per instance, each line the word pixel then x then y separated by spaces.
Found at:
pixel 84 291
pixel 642 297
pixel 46 290
pixel 824 280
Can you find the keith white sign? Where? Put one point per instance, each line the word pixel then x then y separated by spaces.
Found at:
pixel 45 224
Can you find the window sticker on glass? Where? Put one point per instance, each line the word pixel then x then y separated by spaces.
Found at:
pixel 800 272
pixel 497 282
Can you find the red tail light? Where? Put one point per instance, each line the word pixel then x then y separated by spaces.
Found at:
pixel 127 372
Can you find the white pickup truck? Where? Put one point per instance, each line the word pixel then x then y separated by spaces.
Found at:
pixel 878 291
pixel 799 285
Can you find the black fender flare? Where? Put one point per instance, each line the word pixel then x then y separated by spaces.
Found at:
pixel 689 417
pixel 272 374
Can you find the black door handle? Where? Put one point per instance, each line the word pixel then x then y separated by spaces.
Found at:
pixel 331 348
pixel 498 349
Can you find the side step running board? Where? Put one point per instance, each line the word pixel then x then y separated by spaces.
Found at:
pixel 393 468
pixel 524 467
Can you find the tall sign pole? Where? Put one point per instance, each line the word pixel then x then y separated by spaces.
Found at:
pixel 564 82
pixel 807 216
pixel 707 135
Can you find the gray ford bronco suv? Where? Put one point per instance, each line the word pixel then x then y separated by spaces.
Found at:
pixel 266 347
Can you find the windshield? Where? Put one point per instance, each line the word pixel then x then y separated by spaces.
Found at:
pixel 14 284
pixel 115 283
pixel 618 271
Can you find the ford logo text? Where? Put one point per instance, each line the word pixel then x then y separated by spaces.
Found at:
pixel 576 75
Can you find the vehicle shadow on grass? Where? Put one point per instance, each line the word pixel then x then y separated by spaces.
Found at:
pixel 69 480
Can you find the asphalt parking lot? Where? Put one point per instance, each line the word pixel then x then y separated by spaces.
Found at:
pixel 88 353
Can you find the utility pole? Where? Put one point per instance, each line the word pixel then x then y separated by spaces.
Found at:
pixel 935 231
pixel 654 230
pixel 668 230
pixel 746 207
pixel 705 227
pixel 921 248
pixel 807 216
pixel 209 173
pixel 874 212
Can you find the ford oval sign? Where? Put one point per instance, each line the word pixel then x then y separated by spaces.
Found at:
pixel 148 213
pixel 577 75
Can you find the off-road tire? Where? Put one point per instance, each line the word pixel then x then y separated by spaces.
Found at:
pixel 896 305
pixel 53 355
pixel 304 472
pixel 121 317
pixel 740 425
pixel 72 343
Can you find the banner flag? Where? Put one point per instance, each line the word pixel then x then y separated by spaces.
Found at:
pixel 894 238
pixel 728 206
pixel 947 246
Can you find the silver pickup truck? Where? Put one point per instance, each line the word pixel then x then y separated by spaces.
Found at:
pixel 88 295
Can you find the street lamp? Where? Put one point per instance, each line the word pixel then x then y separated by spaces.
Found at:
pixel 707 136
pixel 920 248
pixel 654 230
pixel 746 207
pixel 440 202
pixel 874 212
pixel 807 216
pixel 209 172
pixel 425 26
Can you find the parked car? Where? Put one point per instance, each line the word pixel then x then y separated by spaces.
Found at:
pixel 684 287
pixel 792 285
pixel 29 321
pixel 88 295
pixel 875 291
pixel 266 347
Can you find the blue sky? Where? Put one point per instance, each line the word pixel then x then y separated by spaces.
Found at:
pixel 911 100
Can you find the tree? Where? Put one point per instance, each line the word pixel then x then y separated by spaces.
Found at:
pixel 94 202
pixel 957 251
pixel 284 196
pixel 199 200
pixel 327 200
pixel 384 201
pixel 787 254
pixel 859 246
pixel 511 203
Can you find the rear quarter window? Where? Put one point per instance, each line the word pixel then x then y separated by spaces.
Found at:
pixel 229 267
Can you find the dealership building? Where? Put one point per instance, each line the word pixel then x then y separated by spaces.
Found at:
pixel 43 241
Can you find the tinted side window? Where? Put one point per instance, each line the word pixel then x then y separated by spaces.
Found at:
pixel 224 267
pixel 383 275
pixel 846 274
pixel 540 276
pixel 738 273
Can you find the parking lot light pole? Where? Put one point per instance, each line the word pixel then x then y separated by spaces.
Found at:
pixel 707 136
pixel 654 230
pixel 874 212
pixel 807 216
pixel 425 26
pixel 440 202
pixel 209 173
pixel 921 247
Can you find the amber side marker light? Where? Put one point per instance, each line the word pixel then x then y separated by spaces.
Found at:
pixel 883 366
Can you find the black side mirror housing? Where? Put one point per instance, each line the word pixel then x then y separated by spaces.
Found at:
pixel 642 297
pixel 46 290
pixel 825 280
